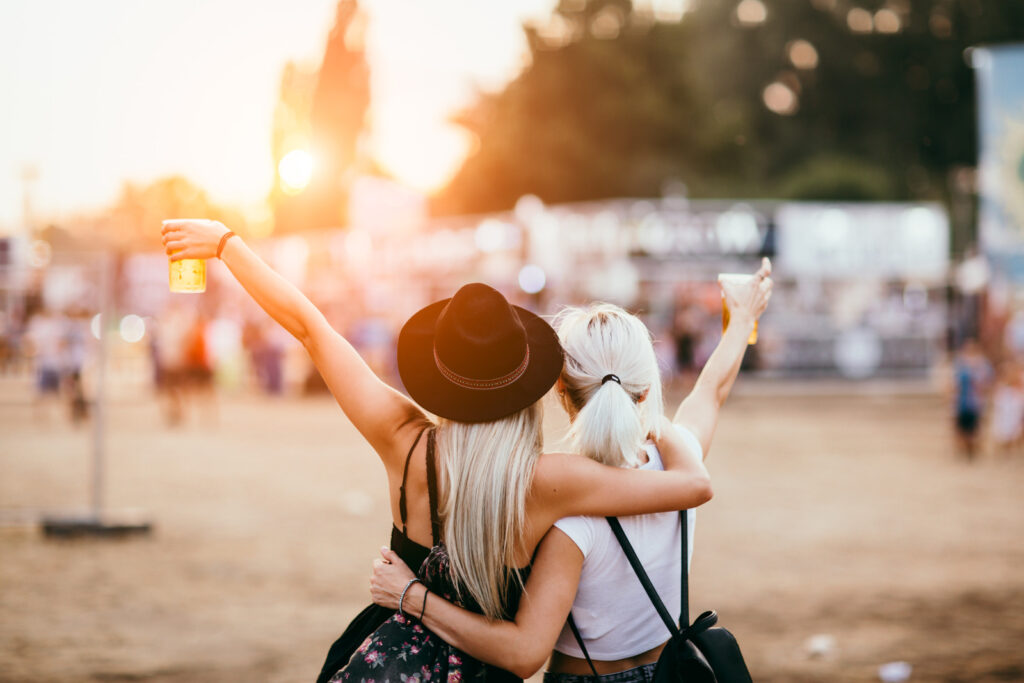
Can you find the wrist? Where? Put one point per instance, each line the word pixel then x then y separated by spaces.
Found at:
pixel 225 237
pixel 742 319
pixel 414 599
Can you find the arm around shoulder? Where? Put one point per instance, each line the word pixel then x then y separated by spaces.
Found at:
pixel 568 484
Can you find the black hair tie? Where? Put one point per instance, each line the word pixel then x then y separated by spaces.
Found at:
pixel 613 378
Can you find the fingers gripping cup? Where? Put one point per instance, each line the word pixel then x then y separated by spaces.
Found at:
pixel 735 280
pixel 188 275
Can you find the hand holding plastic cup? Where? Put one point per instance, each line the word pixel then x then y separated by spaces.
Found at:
pixel 750 289
pixel 189 242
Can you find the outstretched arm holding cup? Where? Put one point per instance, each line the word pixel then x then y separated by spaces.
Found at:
pixel 746 300
pixel 373 406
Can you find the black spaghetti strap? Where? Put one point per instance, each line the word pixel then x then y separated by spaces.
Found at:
pixel 405 473
pixel 435 521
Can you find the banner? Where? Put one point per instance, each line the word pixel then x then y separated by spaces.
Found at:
pixel 1000 87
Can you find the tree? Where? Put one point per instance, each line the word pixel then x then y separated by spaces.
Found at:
pixel 738 98
pixel 133 223
pixel 336 111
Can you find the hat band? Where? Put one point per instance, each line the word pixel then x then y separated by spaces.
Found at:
pixel 470 383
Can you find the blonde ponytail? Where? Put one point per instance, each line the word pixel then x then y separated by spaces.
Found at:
pixel 611 417
pixel 486 470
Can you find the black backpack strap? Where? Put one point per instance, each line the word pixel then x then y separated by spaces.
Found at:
pixel 684 593
pixel 579 639
pixel 405 474
pixel 641 574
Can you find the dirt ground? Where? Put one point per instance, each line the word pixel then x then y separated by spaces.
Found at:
pixel 845 517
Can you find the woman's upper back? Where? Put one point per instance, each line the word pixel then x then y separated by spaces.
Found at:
pixel 611 609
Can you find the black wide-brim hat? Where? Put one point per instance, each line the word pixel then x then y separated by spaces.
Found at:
pixel 476 358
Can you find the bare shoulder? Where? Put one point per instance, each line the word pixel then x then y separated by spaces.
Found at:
pixel 405 435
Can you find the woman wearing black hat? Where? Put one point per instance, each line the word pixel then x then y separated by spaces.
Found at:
pixel 472 493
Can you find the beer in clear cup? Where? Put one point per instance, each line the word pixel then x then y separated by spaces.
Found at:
pixel 188 275
pixel 738 279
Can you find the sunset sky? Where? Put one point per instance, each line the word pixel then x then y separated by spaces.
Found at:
pixel 96 93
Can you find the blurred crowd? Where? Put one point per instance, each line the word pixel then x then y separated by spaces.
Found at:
pixel 185 354
pixel 195 348
pixel 191 350
pixel 986 386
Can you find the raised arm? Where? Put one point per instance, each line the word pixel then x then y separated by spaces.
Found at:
pixel 520 646
pixel 377 410
pixel 699 410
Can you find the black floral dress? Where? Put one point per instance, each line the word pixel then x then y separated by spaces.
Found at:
pixel 401 649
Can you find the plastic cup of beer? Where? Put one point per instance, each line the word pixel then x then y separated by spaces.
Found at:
pixel 188 275
pixel 736 280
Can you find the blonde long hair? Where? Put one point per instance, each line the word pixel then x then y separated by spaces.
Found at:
pixel 610 419
pixel 486 471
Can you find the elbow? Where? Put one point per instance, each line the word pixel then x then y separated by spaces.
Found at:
pixel 703 491
pixel 526 667
pixel 526 661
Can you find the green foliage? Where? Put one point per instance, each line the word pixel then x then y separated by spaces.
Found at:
pixel 837 179
pixel 616 104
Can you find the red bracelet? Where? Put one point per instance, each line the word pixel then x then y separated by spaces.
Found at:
pixel 220 247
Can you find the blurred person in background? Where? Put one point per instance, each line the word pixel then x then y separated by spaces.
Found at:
pixel 46 338
pixel 972 376
pixel 1013 334
pixel 197 387
pixel 1007 425
pixel 75 349
pixel 7 345
pixel 686 332
pixel 267 355
pixel 170 342
pixel 472 492
pixel 580 569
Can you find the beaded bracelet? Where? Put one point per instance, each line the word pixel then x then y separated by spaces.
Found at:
pixel 404 591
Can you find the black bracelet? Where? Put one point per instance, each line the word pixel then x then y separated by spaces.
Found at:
pixel 423 609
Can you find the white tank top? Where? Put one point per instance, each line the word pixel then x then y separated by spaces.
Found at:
pixel 613 613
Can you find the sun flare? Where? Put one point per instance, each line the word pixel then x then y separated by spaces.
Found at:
pixel 296 170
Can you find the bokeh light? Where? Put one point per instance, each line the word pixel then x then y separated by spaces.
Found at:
pixel 532 279
pixel 132 328
pixel 858 353
pixel 887 21
pixel 96 326
pixel 751 12
pixel 490 235
pixel 781 99
pixel 802 54
pixel 296 170
pixel 859 20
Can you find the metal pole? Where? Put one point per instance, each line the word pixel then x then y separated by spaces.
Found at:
pixel 98 522
pixel 99 411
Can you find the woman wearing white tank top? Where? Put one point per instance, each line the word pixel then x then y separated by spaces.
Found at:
pixel 611 389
